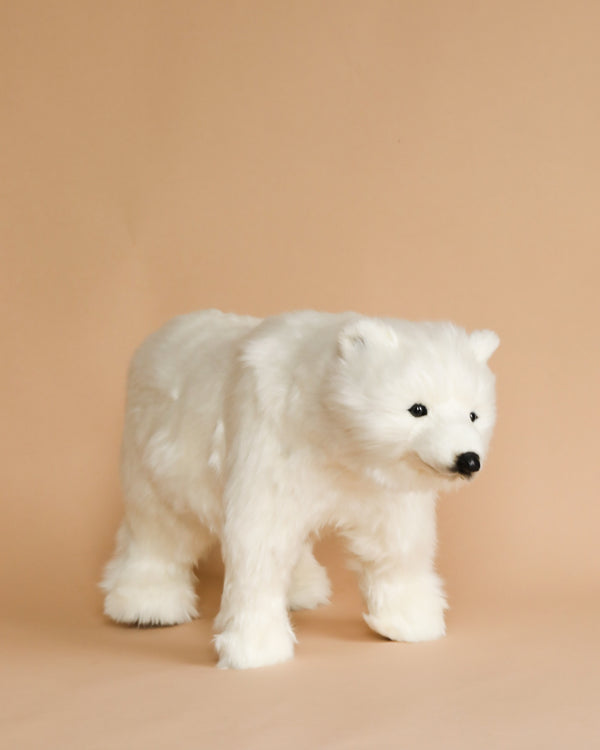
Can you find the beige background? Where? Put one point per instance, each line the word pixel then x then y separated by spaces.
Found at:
pixel 416 159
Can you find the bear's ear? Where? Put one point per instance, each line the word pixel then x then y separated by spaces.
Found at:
pixel 484 344
pixel 365 333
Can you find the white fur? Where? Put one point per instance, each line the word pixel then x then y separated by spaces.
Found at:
pixel 260 432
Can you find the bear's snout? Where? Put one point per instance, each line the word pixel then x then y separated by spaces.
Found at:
pixel 467 464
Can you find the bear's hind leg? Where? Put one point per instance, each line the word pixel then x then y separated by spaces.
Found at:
pixel 150 579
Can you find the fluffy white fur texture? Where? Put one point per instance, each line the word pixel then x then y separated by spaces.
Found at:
pixel 258 433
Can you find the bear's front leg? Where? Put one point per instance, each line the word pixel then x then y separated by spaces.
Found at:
pixel 405 607
pixel 261 542
pixel 403 594
pixel 253 625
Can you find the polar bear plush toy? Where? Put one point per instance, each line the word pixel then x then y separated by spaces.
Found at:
pixel 258 433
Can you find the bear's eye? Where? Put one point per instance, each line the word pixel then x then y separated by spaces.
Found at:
pixel 473 416
pixel 418 410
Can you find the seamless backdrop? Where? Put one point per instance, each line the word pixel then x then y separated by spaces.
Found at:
pixel 424 160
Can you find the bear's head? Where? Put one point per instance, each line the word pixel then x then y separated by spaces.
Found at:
pixel 412 401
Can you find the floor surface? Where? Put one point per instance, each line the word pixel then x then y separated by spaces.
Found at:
pixel 518 675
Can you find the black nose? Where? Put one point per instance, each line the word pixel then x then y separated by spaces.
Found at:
pixel 467 464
